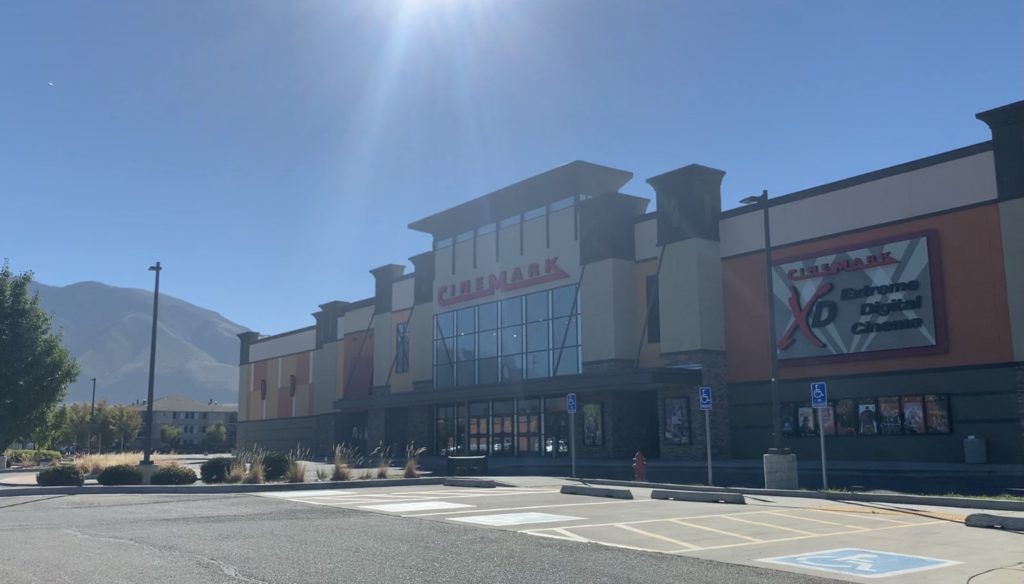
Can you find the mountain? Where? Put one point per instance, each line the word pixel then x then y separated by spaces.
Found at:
pixel 107 329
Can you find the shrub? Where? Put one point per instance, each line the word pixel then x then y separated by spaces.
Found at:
pixel 275 465
pixel 30 457
pixel 173 475
pixel 342 460
pixel 215 470
pixel 295 472
pixel 60 476
pixel 322 474
pixel 383 456
pixel 257 472
pixel 120 474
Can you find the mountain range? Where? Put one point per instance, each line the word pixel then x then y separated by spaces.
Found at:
pixel 108 329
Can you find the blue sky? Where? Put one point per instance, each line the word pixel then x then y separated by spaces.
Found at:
pixel 236 139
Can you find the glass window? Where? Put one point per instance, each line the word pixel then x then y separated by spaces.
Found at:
pixel 502 431
pixel 562 300
pixel 479 425
pixel 511 340
pixel 466 321
pixel 487 316
pixel 484 229
pixel 653 311
pixel 512 368
pixel 512 311
pixel 401 348
pixel 464 237
pixel 444 375
pixel 465 373
pixel 528 422
pixel 561 204
pixel 867 417
pixel 568 363
pixel 534 213
pixel 444 351
pixel 538 364
pixel 537 306
pixel 556 427
pixel 936 409
pixel 509 221
pixel 444 325
pixel 466 348
pixel 564 329
pixel 487 370
pixel 487 344
pixel 537 336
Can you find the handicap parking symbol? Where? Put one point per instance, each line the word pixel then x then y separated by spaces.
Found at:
pixel 861 562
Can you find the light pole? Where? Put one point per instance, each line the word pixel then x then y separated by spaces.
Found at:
pixel 148 437
pixel 773 355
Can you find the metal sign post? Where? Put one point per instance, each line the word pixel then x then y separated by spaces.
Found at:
pixel 705 405
pixel 570 402
pixel 819 401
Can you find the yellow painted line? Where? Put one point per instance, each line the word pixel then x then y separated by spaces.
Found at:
pixel 818 521
pixel 865 515
pixel 814 536
pixel 569 534
pixel 771 525
pixel 719 531
pixel 535 507
pixel 684 518
pixel 656 536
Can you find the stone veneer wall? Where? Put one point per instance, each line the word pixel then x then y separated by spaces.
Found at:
pixel 713 374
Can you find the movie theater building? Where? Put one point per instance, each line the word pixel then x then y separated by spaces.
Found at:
pixel 902 288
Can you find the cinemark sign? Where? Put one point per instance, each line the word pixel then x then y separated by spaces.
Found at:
pixel 503 281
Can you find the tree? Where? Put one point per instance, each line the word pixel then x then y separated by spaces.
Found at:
pixel 35 368
pixel 125 422
pixel 79 424
pixel 216 435
pixel 170 435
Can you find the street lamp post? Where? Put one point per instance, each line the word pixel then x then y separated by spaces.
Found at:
pixel 92 414
pixel 773 356
pixel 148 437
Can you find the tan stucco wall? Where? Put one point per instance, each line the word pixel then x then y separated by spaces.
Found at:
pixel 608 311
pixel 400 381
pixel 650 353
pixel 690 288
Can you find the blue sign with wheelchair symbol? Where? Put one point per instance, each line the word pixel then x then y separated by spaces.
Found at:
pixel 861 562
pixel 705 398
pixel 819 395
pixel 570 402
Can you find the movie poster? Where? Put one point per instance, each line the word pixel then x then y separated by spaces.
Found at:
pixel 805 416
pixel 936 409
pixel 788 415
pixel 889 416
pixel 828 421
pixel 677 422
pixel 913 414
pixel 593 431
pixel 867 423
pixel 846 417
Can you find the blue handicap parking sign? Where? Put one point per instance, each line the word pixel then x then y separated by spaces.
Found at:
pixel 861 562
pixel 819 395
pixel 705 398
pixel 570 402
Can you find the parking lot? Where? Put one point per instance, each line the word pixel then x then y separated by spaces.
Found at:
pixel 847 541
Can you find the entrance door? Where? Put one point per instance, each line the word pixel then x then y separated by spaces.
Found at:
pixel 396 430
pixel 556 427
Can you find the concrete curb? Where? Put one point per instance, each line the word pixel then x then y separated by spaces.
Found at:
pixel 960 502
pixel 995 521
pixel 213 489
pixel 596 492
pixel 479 483
pixel 698 496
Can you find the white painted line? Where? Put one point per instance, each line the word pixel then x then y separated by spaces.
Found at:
pixel 864 515
pixel 414 506
pixel 657 536
pixel 718 531
pixel 304 494
pixel 508 519
pixel 539 507
pixel 819 535
pixel 780 514
pixel 771 525
pixel 862 563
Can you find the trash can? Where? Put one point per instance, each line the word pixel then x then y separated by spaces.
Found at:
pixel 975 451
pixel 467 465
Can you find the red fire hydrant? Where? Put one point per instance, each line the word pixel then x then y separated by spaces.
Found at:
pixel 640 467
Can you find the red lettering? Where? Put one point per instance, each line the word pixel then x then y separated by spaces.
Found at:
pixel 464 287
pixel 550 265
pixel 533 271
pixel 498 282
pixel 479 283
pixel 517 275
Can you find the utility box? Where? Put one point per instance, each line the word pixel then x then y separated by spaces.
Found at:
pixel 975 451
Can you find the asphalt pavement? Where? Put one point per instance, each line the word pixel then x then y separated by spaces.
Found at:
pixel 157 539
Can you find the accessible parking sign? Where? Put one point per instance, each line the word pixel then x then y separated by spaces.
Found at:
pixel 860 562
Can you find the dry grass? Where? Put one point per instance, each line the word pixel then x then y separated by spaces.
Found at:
pixel 383 455
pixel 343 456
pixel 412 455
pixel 369 474
pixel 296 472
pixel 93 464
pixel 322 474
pixel 256 475
pixel 236 472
